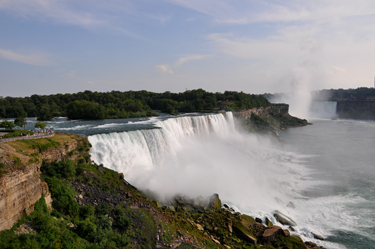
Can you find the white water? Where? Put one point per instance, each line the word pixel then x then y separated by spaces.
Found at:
pixel 202 155
pixel 323 109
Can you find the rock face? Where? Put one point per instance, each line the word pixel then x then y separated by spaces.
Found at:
pixel 19 192
pixel 22 187
pixel 263 111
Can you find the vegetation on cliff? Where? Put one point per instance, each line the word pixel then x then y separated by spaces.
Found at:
pixel 115 104
pixel 271 123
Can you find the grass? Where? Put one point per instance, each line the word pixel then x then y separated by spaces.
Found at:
pixel 32 144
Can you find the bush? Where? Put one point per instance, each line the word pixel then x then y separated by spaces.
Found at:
pixel 59 169
pixel 62 196
pixel 102 209
pixel 87 230
pixel 86 211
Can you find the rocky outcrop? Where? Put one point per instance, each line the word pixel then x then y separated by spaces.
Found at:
pixel 268 120
pixel 19 192
pixel 263 111
pixel 21 187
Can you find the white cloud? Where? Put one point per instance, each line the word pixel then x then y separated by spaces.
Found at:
pixel 85 14
pixel 38 59
pixel 165 68
pixel 244 12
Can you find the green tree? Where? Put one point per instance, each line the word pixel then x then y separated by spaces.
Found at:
pixel 7 124
pixel 21 120
pixel 82 109
pixel 40 125
pixel 45 113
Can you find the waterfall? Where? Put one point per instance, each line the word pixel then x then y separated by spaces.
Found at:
pixel 323 109
pixel 146 148
pixel 202 155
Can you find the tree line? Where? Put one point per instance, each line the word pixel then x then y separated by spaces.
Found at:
pixel 361 93
pixel 129 104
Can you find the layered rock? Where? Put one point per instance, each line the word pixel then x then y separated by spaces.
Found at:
pixel 263 111
pixel 21 187
pixel 19 192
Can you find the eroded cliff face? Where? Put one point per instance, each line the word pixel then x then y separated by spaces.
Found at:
pixel 21 187
pixel 263 111
pixel 268 120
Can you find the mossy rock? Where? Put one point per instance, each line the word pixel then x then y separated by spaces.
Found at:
pixel 247 220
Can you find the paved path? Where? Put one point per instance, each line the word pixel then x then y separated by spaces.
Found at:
pixel 35 136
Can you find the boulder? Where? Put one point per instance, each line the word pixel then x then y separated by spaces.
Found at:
pixel 283 219
pixel 286 233
pixel 271 234
pixel 199 226
pixel 247 220
pixel 317 236
pixel 172 208
pixel 244 233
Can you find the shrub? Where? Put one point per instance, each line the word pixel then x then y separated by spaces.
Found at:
pixel 87 230
pixel 59 169
pixel 63 197
pixel 86 211
pixel 102 209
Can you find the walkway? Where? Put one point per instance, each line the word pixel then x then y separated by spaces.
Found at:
pixel 35 136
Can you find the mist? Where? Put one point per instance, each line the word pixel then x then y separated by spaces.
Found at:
pixel 200 156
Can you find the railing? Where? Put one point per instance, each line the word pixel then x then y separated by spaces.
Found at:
pixel 35 136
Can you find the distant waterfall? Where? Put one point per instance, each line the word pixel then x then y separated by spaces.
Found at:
pixel 323 109
pixel 125 150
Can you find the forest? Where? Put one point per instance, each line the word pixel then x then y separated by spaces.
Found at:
pixel 361 93
pixel 129 104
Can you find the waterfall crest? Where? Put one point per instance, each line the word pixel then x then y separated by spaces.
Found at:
pixel 323 109
pixel 146 148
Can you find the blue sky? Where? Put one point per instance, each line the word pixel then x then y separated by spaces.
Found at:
pixel 54 46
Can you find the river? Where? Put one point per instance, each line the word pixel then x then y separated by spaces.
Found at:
pixel 322 175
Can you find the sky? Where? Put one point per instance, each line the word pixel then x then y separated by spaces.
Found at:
pixel 254 46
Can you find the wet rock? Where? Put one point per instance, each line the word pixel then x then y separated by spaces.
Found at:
pixel 283 219
pixel 317 236
pixel 259 220
pixel 271 234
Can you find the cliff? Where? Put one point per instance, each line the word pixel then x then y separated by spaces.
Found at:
pixel 356 109
pixel 20 183
pixel 270 120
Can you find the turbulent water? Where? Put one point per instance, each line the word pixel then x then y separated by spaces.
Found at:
pixel 322 176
